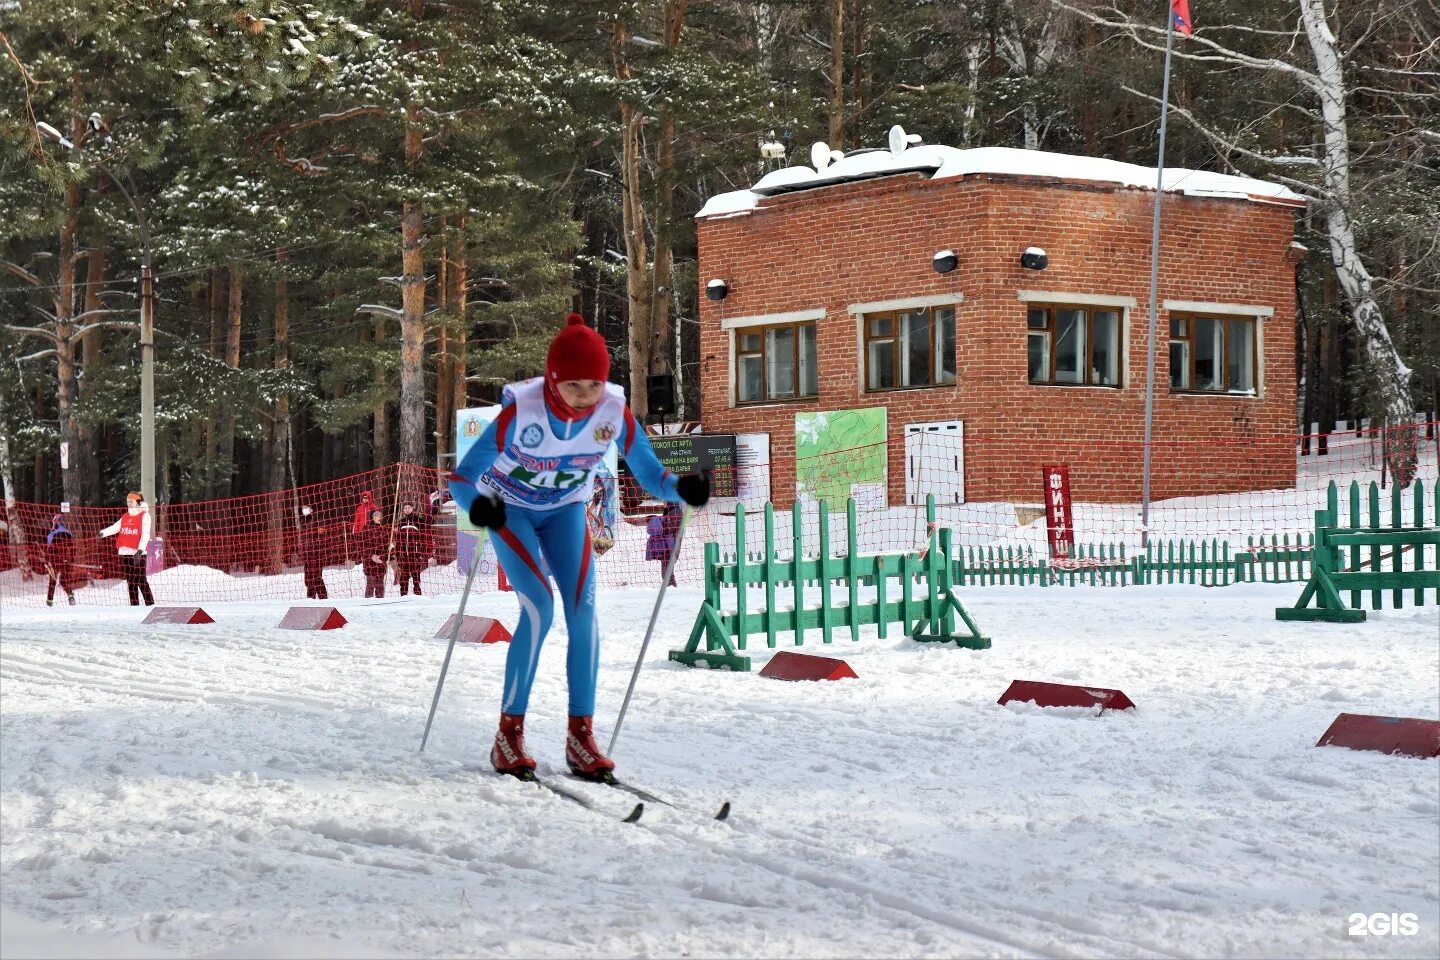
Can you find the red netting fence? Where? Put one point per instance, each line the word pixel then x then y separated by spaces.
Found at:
pixel 987 490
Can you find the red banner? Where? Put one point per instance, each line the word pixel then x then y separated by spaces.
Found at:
pixel 1059 523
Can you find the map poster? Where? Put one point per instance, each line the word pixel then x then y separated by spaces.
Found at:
pixel 841 454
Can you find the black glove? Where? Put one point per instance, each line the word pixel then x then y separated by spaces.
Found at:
pixel 694 488
pixel 488 511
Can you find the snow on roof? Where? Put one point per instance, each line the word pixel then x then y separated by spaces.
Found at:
pixel 941 162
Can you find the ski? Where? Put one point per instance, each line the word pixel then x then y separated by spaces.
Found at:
pixel 528 776
pixel 610 780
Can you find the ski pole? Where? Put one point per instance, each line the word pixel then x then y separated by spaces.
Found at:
pixel 654 615
pixel 454 632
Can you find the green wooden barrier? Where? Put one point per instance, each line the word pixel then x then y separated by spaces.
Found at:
pixel 925 608
pixel 1363 544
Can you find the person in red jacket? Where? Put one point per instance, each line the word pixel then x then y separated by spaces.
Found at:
pixel 363 511
pixel 132 537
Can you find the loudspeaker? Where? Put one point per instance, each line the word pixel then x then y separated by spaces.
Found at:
pixel 661 388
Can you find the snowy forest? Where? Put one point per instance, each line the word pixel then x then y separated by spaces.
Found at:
pixel 363 215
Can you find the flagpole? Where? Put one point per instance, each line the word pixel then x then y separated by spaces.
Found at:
pixel 1155 287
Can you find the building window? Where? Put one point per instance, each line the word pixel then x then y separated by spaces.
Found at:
pixel 775 363
pixel 1077 346
pixel 1212 354
pixel 910 348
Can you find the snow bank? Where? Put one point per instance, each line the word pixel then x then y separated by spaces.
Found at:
pixel 242 791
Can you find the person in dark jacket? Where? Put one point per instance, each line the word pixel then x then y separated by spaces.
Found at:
pixel 312 554
pixel 412 547
pixel 660 533
pixel 374 543
pixel 60 560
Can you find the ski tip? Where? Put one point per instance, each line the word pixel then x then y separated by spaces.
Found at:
pixel 635 814
pixel 724 812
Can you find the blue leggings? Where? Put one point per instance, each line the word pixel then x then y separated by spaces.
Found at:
pixel 564 538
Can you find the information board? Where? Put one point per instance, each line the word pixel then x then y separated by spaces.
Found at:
pixel 689 452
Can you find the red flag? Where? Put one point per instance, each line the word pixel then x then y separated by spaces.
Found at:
pixel 1180 14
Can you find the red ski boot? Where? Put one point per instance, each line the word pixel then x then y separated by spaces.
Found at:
pixel 583 754
pixel 508 754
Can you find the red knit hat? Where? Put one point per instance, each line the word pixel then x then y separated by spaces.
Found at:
pixel 577 353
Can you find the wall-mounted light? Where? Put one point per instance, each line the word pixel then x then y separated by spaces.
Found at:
pixel 944 261
pixel 717 289
pixel 1034 258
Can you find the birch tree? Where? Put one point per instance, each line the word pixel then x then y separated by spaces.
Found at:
pixel 1323 172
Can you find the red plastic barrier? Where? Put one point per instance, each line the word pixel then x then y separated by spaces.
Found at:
pixel 803 666
pixel 312 618
pixel 475 630
pixel 177 615
pixel 1393 735
pixel 1065 695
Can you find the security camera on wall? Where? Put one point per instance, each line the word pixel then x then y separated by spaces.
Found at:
pixel 1034 258
pixel 717 289
pixel 944 261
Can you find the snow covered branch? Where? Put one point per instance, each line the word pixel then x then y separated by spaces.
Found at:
pixel 1139 32
pixel 1233 147
pixel 20 272
pixel 32 332
pixel 379 310
pixel 102 325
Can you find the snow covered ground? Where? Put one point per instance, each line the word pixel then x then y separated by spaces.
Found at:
pixel 237 790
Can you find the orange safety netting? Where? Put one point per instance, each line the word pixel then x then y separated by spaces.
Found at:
pixel 987 490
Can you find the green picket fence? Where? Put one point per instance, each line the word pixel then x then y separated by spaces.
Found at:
pixel 777 594
pixel 1279 558
pixel 1207 562
pixel 1373 555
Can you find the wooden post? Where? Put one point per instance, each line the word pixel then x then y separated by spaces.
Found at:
pixel 769 572
pixel 824 568
pixel 797 535
pixel 741 628
pixel 852 561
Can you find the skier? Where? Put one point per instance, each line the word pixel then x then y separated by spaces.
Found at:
pixel 528 478
pixel 60 560
pixel 312 554
pixel 412 547
pixel 133 528
pixel 374 545
pixel 661 531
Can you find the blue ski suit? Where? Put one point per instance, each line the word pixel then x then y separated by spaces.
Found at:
pixel 543 467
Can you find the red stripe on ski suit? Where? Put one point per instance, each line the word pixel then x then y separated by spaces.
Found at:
pixel 513 542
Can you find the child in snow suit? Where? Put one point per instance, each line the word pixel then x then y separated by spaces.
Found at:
pixel 374 545
pixel 412 547
pixel 312 554
pixel 528 478
pixel 133 529
pixel 60 560
pixel 660 534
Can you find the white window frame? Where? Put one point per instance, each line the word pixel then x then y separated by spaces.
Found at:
pixel 1258 313
pixel 1125 305
pixel 732 324
pixel 858 312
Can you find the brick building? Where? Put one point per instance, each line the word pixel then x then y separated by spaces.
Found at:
pixel 834 300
